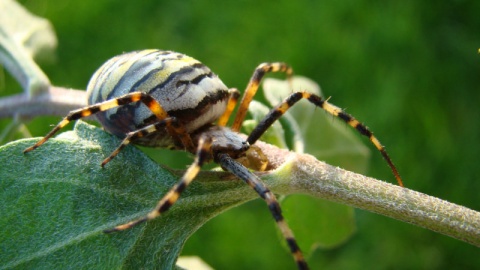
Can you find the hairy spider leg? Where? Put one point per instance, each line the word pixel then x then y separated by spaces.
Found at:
pixel 203 155
pixel 252 88
pixel 146 99
pixel 256 184
pixel 288 102
pixel 232 103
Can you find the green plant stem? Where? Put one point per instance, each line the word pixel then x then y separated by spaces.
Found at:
pixel 310 176
pixel 56 101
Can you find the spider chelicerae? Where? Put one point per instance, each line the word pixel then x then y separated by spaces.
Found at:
pixel 167 99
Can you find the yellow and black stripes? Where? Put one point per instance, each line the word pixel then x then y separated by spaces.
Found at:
pixel 186 89
pixel 256 184
pixel 151 104
pixel 167 99
pixel 252 88
pixel 287 103
pixel 232 103
pixel 203 155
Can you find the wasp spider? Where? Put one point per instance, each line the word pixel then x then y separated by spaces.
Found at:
pixel 167 99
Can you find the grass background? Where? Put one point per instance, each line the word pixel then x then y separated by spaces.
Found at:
pixel 409 70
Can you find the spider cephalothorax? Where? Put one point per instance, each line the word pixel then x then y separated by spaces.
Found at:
pixel 167 99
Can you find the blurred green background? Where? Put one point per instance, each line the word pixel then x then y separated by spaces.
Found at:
pixel 408 69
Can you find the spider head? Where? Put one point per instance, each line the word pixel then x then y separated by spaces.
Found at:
pixel 224 141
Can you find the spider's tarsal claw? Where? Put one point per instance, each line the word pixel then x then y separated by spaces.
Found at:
pixel 112 155
pixel 105 161
pixel 110 230
pixel 399 179
pixel 35 146
pixel 31 148
pixel 126 225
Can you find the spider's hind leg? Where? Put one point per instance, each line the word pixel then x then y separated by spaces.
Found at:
pixel 150 102
pixel 287 103
pixel 169 123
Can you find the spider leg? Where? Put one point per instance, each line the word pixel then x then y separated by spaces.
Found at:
pixel 252 88
pixel 146 99
pixel 169 122
pixel 254 182
pixel 232 102
pixel 287 103
pixel 203 155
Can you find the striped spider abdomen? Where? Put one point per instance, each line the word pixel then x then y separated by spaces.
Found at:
pixel 186 89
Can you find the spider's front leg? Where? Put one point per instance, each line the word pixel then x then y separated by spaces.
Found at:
pixel 252 88
pixel 256 184
pixel 291 100
pixel 232 103
pixel 202 155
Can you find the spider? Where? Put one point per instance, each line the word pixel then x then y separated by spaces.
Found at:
pixel 167 99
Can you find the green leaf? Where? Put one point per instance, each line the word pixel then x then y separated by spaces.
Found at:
pixel 57 200
pixel 333 223
pixel 22 37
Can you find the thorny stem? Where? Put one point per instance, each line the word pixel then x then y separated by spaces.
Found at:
pixel 301 173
